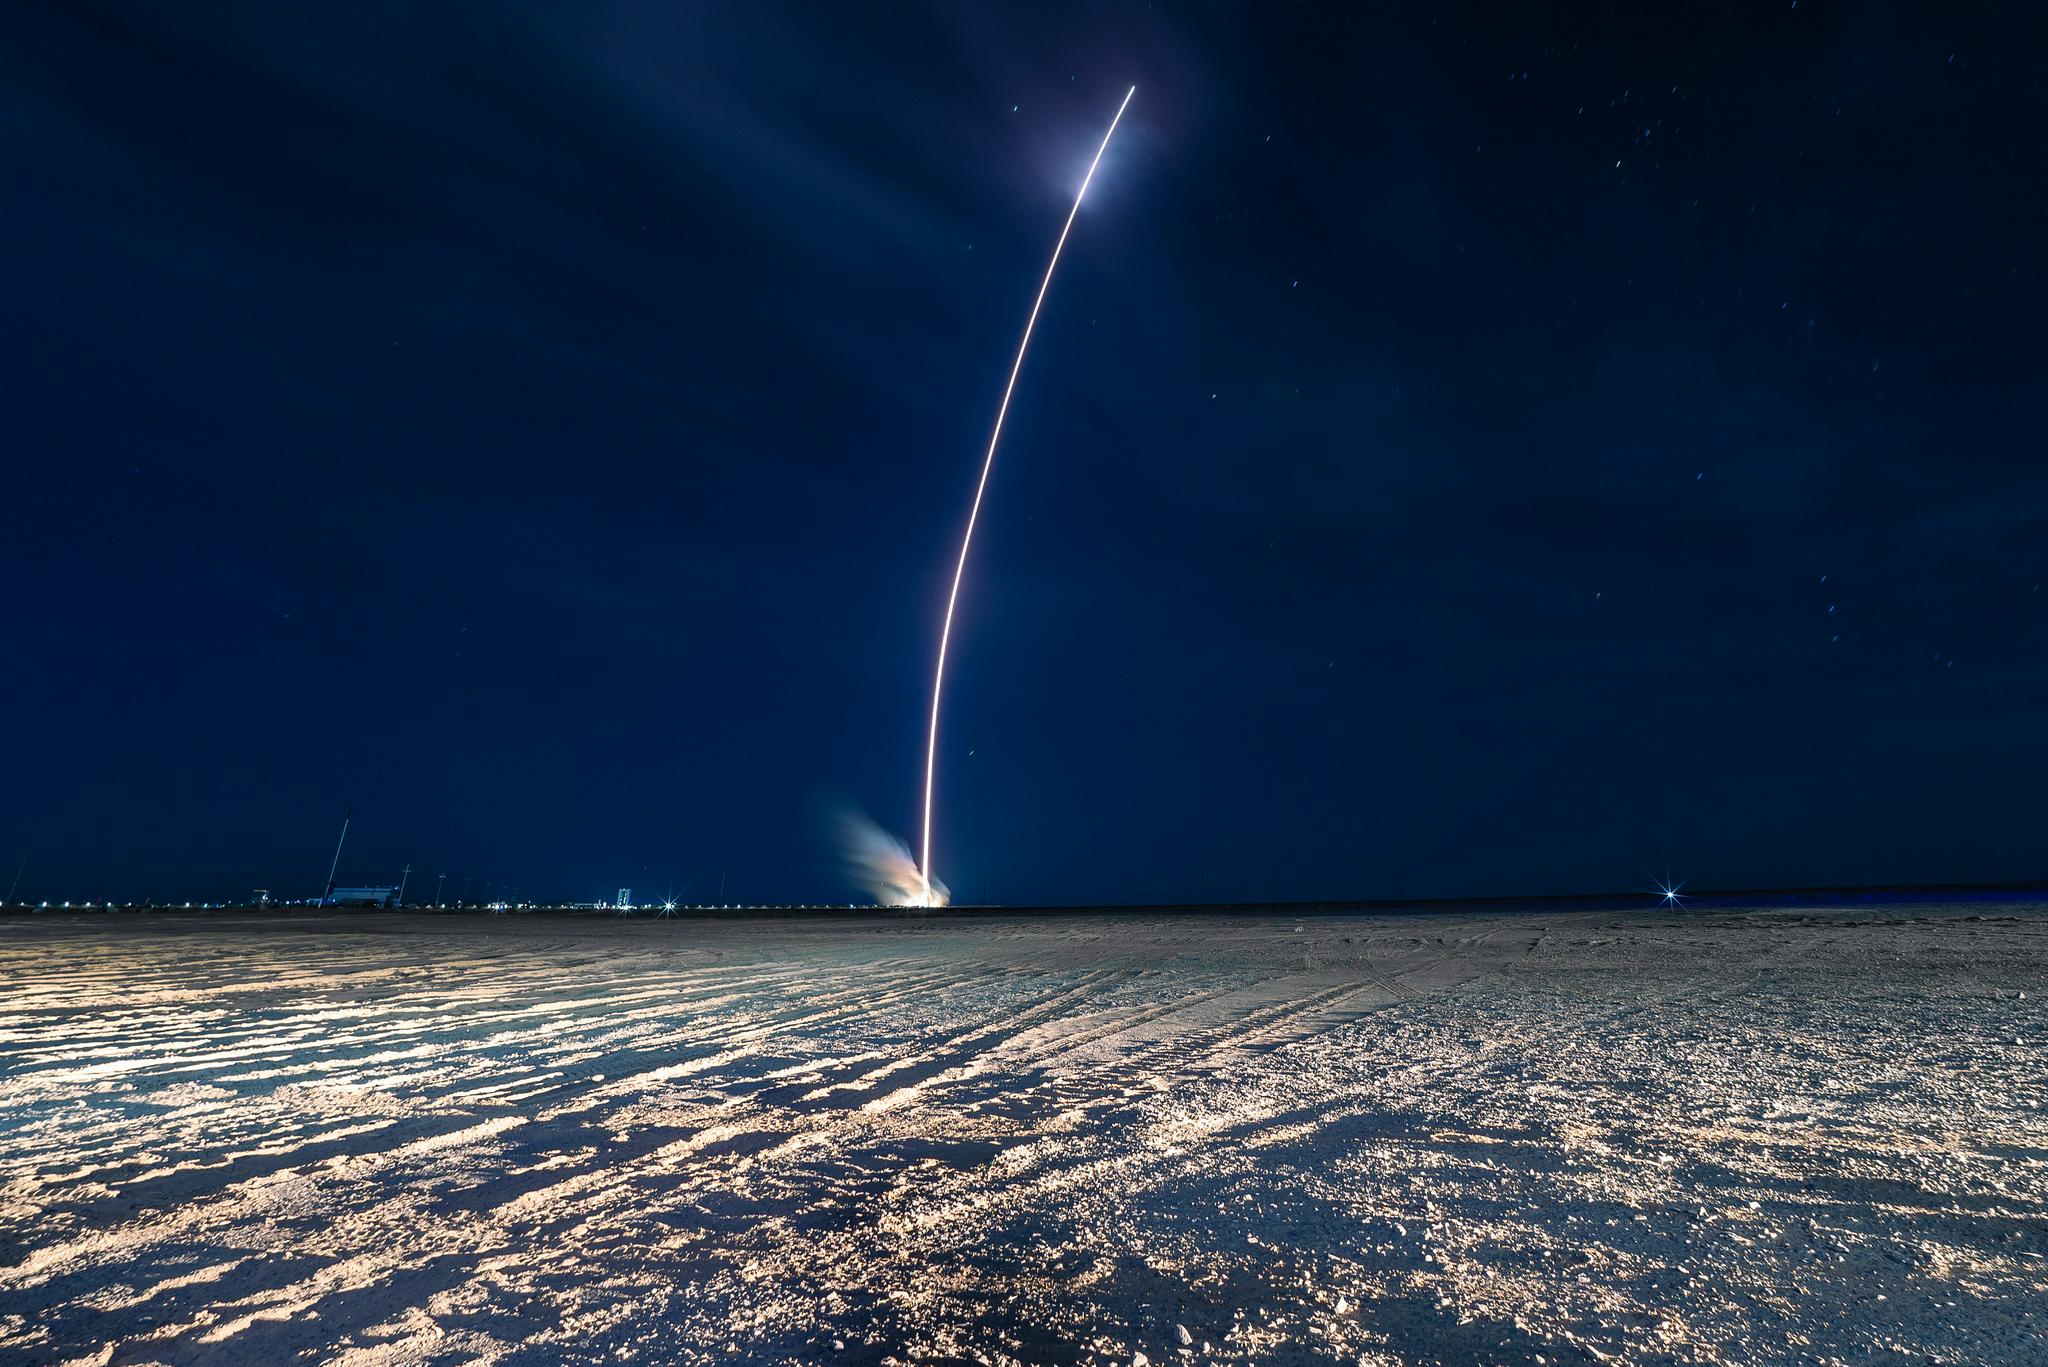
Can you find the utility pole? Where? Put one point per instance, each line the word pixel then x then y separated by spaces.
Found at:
pixel 328 891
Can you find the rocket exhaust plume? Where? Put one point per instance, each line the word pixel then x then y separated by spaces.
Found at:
pixel 879 862
pixel 929 891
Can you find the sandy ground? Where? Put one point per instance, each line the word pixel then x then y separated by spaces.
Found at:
pixel 1709 1137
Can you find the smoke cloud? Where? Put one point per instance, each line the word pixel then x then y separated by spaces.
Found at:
pixel 881 863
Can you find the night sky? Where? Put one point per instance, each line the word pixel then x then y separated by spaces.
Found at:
pixel 1464 452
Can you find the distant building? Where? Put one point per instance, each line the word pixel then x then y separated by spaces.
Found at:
pixel 625 901
pixel 363 897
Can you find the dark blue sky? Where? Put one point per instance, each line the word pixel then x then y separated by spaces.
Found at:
pixel 1464 452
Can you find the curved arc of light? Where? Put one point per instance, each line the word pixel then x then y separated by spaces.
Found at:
pixel 988 463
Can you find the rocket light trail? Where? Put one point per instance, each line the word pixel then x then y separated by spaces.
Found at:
pixel 987 463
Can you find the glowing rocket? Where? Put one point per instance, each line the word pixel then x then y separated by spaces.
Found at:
pixel 930 895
